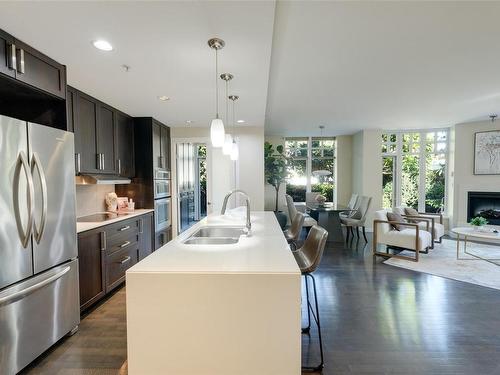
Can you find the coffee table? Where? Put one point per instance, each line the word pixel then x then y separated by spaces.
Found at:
pixel 464 233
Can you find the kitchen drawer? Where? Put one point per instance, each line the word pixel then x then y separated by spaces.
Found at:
pixel 122 227
pixel 117 263
pixel 121 241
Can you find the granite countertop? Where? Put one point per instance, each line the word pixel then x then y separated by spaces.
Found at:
pixel 85 226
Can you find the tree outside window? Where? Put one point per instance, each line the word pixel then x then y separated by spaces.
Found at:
pixel 414 169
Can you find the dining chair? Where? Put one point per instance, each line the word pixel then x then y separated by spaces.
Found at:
pixel 292 211
pixel 358 218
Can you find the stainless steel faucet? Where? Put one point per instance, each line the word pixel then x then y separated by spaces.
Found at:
pixel 247 198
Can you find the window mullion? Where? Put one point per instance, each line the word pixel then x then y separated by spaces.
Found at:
pixel 308 165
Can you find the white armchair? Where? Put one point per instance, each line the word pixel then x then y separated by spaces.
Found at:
pixel 408 236
pixel 435 221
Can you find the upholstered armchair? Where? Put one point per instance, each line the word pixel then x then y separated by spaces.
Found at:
pixel 435 221
pixel 400 235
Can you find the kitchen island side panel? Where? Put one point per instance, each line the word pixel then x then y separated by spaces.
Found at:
pixel 213 324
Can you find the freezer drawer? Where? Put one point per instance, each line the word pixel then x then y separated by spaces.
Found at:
pixel 36 313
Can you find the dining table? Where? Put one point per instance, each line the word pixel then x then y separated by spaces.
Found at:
pixel 328 216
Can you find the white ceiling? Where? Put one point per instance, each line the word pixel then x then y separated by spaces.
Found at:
pixel 165 43
pixel 389 65
pixel 346 65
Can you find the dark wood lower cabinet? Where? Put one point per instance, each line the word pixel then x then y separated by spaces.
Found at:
pixel 162 237
pixel 105 254
pixel 91 267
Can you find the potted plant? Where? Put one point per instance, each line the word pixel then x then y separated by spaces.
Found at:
pixel 478 222
pixel 275 174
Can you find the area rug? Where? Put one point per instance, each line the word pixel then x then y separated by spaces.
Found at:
pixel 442 261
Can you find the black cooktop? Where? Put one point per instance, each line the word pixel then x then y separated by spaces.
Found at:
pixel 97 217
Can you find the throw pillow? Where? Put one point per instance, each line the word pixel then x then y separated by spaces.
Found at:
pixel 411 211
pixel 391 216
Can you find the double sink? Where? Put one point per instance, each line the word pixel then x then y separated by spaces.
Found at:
pixel 216 235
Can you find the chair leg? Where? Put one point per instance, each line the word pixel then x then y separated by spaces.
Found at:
pixel 357 232
pixel 347 234
pixel 315 314
pixel 364 234
pixel 308 328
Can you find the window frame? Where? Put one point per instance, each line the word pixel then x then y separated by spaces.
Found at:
pixel 399 153
pixel 310 157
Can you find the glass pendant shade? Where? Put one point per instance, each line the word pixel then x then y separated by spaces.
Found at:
pixel 228 145
pixel 217 133
pixel 235 152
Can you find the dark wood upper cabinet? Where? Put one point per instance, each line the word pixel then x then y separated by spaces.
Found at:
pixel 40 71
pixel 165 147
pixel 86 109
pixel 161 145
pixel 70 108
pixel 7 54
pixel 156 145
pixel 106 138
pixel 91 266
pixel 125 161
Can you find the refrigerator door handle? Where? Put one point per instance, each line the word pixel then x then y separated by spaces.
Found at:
pixel 35 163
pixel 22 161
pixel 16 296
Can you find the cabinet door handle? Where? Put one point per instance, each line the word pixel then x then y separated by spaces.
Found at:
pixel 125 244
pixel 20 61
pixel 103 240
pixel 125 260
pixel 119 166
pixel 78 162
pixel 13 58
pixel 124 228
pixel 102 156
pixel 141 226
pixel 98 161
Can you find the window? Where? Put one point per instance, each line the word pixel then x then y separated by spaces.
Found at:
pixel 311 166
pixel 414 169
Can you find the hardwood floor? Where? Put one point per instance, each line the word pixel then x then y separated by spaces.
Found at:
pixel 376 319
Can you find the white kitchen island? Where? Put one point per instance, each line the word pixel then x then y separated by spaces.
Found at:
pixel 217 309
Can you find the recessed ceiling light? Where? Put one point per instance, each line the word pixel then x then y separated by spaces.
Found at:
pixel 103 45
pixel 240 121
pixel 189 122
pixel 163 98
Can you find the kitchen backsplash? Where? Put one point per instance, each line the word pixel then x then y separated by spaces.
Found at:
pixel 90 198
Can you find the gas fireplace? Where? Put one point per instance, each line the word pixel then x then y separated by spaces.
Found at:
pixel 484 204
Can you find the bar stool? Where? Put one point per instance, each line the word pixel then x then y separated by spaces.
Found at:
pixel 293 233
pixel 308 258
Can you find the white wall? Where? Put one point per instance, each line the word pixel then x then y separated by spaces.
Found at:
pixel 367 169
pixel 463 168
pixel 343 182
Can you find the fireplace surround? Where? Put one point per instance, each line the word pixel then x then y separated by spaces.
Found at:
pixel 484 204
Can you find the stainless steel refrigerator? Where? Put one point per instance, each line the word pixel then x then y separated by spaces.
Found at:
pixel 39 301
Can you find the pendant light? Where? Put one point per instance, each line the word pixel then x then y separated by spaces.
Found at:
pixel 228 140
pixel 235 152
pixel 217 126
pixel 321 172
